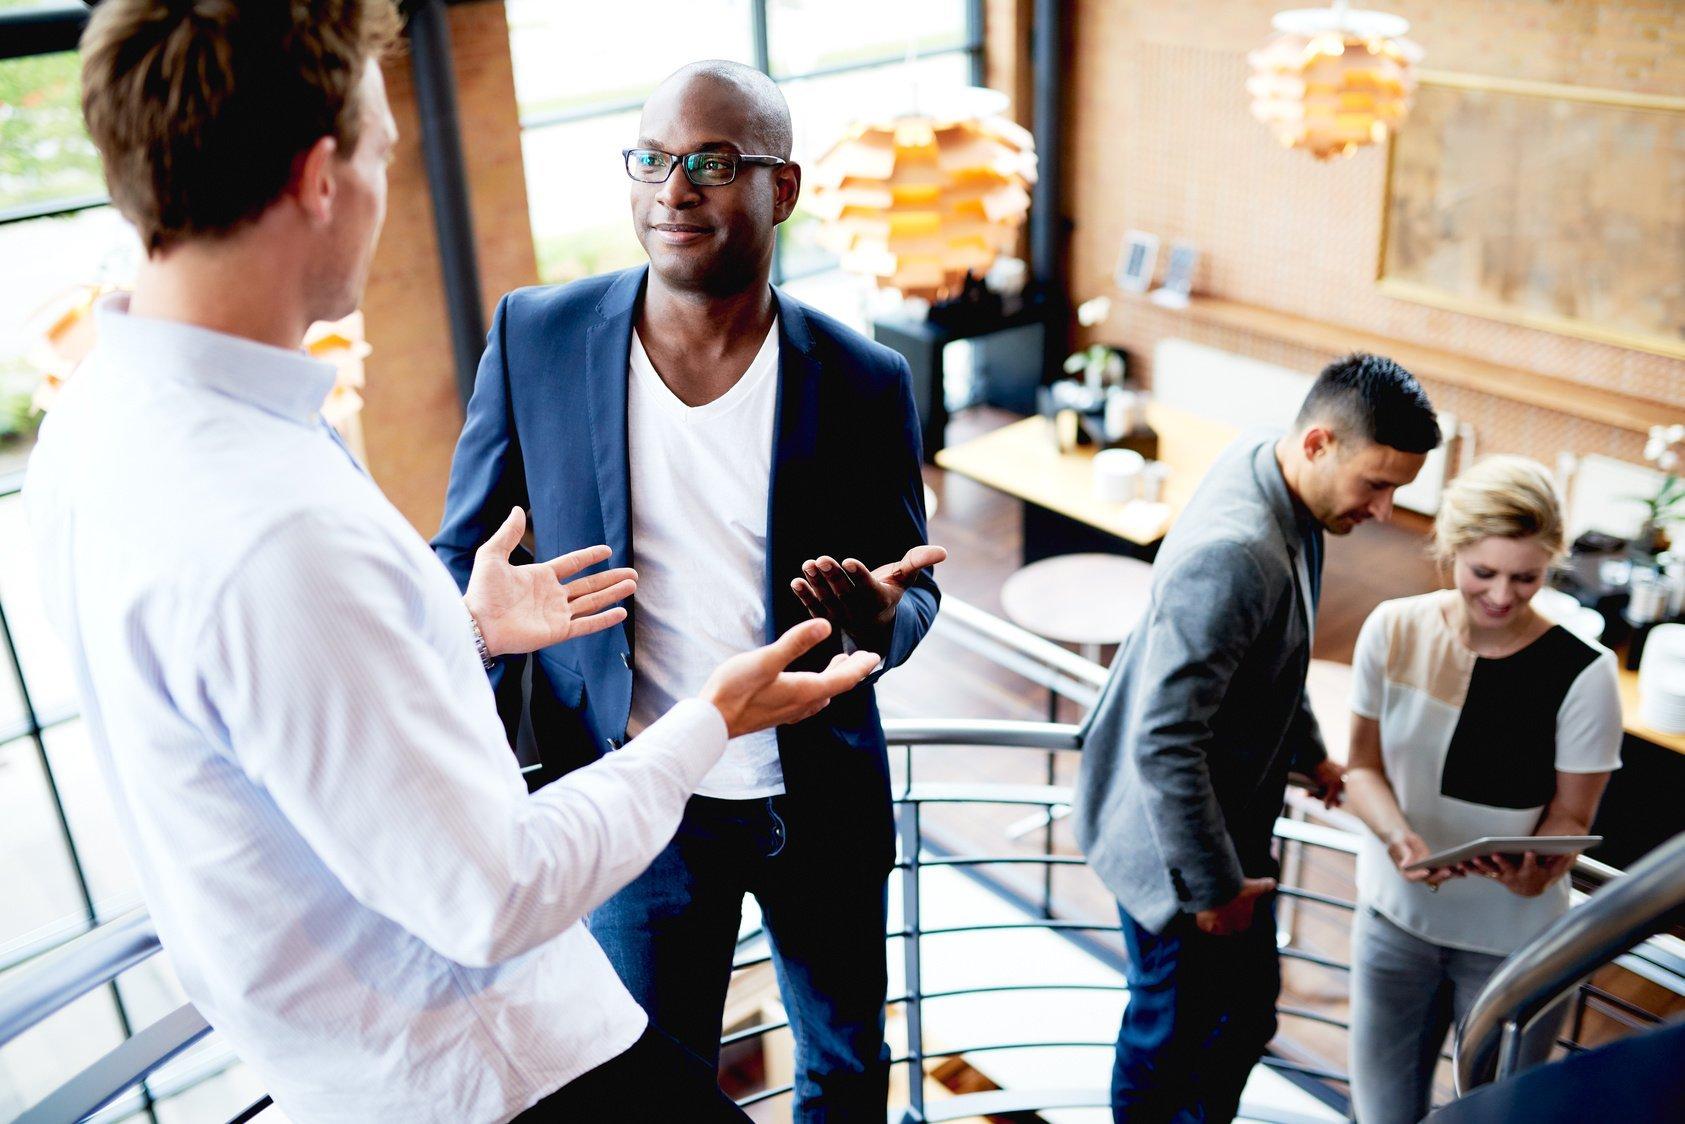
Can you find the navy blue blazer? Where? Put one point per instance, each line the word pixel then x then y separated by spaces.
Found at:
pixel 546 430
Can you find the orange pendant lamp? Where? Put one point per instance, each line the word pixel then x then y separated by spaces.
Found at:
pixel 1333 79
pixel 919 200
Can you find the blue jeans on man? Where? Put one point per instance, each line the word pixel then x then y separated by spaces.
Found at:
pixel 671 934
pixel 1201 1011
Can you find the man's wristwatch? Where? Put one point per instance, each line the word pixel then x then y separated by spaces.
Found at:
pixel 480 644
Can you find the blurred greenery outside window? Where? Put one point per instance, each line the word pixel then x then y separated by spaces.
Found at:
pixel 45 156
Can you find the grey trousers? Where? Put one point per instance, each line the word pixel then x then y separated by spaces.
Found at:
pixel 1406 995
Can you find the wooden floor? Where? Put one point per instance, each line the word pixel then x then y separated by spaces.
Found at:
pixel 980 528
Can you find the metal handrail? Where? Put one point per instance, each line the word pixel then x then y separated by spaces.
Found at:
pixel 66 974
pixel 911 797
pixel 1617 917
pixel 983 731
pixel 98 957
pixel 1021 651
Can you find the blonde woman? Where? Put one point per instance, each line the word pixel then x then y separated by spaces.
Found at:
pixel 1472 715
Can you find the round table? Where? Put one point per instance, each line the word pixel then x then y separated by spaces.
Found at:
pixel 1084 599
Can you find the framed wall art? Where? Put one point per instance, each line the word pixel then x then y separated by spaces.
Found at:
pixel 1555 207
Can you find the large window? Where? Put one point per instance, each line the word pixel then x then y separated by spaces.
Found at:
pixel 582 72
pixel 63 864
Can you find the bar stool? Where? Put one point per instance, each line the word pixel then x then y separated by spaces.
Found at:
pixel 1089 600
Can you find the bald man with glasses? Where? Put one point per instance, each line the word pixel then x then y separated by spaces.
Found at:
pixel 760 463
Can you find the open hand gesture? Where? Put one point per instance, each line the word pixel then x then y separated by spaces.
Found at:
pixel 524 608
pixel 754 692
pixel 861 602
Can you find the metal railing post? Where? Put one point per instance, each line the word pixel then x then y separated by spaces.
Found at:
pixel 1619 916
pixel 911 950
pixel 1047 840
pixel 1509 1049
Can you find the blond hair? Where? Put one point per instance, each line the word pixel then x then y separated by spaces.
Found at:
pixel 200 107
pixel 1501 497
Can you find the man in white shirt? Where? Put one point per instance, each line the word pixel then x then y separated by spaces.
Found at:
pixel 747 452
pixel 279 679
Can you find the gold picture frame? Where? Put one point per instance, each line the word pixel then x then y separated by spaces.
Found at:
pixel 1554 207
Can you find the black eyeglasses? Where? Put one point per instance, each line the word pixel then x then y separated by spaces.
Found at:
pixel 704 169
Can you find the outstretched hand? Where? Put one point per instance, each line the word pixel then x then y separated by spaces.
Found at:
pixel 859 601
pixel 525 608
pixel 753 692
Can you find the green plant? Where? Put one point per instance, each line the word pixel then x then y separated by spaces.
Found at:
pixel 1098 364
pixel 1668 504
pixel 1664 448
pixel 18 416
pixel 45 153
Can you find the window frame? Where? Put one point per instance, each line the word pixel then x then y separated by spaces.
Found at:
pixel 971 48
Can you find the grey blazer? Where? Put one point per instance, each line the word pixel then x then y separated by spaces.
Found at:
pixel 1186 755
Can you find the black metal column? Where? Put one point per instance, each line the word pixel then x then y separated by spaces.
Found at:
pixel 1047 220
pixel 760 39
pixel 41 31
pixel 974 40
pixel 447 182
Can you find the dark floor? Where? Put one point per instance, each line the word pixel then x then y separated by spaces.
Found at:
pixel 980 528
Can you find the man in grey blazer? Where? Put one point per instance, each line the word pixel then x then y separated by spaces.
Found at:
pixel 1186 755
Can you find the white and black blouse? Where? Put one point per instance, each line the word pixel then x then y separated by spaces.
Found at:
pixel 1472 747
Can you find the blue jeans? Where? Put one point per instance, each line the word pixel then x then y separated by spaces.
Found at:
pixel 1201 1010
pixel 672 931
pixel 1406 994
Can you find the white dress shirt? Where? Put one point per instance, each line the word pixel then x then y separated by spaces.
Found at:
pixel 700 478
pixel 282 690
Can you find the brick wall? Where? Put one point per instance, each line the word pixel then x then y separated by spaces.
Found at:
pixel 1159 138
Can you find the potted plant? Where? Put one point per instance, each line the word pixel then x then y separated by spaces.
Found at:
pixel 1665 448
pixel 1099 365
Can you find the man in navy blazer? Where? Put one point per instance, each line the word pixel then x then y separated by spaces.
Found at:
pixel 745 453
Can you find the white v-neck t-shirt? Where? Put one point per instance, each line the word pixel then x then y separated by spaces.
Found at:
pixel 700 482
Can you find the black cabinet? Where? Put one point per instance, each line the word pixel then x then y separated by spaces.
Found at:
pixel 1009 353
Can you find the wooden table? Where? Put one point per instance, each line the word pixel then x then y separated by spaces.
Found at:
pixel 1061 513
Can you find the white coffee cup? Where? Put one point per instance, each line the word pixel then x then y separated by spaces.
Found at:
pixel 1117 475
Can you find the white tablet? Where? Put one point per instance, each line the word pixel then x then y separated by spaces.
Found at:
pixel 1508 845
